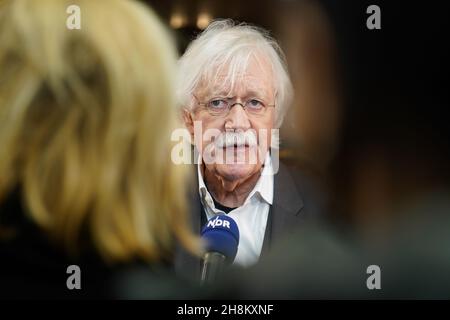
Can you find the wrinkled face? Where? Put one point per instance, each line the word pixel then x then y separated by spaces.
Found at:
pixel 233 144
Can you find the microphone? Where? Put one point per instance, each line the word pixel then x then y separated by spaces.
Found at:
pixel 221 236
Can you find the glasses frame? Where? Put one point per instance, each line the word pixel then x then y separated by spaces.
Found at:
pixel 205 104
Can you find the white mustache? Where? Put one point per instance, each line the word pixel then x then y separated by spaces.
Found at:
pixel 236 139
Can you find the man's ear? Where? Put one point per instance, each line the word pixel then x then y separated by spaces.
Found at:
pixel 188 122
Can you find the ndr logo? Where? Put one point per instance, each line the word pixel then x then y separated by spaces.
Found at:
pixel 217 222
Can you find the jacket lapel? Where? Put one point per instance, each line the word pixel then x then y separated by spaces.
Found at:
pixel 285 210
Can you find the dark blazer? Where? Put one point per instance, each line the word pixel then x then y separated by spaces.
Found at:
pixel 295 201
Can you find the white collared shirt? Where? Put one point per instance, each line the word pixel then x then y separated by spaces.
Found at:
pixel 251 217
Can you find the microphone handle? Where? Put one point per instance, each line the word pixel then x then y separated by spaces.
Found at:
pixel 213 263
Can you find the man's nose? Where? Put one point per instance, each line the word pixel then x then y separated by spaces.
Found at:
pixel 237 118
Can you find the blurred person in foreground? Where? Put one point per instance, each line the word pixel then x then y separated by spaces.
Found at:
pixel 234 90
pixel 85 121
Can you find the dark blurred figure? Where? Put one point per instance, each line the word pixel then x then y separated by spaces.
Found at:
pixel 391 200
pixel 85 122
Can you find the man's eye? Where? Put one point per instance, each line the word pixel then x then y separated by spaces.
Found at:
pixel 254 104
pixel 218 104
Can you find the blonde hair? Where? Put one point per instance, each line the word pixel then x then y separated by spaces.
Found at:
pixel 85 122
pixel 226 44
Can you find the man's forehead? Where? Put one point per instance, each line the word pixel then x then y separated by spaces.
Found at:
pixel 255 76
pixel 240 85
pixel 237 84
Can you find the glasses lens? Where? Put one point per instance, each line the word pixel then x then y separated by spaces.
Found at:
pixel 218 106
pixel 255 106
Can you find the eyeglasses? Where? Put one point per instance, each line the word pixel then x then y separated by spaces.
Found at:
pixel 222 106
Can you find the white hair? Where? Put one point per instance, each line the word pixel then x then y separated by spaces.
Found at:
pixel 225 44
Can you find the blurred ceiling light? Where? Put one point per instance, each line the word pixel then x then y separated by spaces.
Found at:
pixel 203 20
pixel 177 20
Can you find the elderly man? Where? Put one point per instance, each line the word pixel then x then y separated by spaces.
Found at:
pixel 235 89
